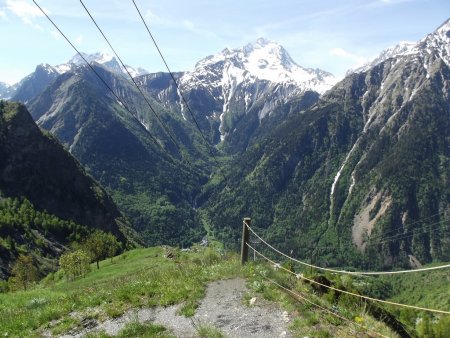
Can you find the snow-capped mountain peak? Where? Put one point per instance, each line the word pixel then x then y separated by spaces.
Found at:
pixel 437 43
pixel 402 48
pixel 106 60
pixel 45 67
pixel 100 58
pixel 259 73
pixel 266 54
pixel 263 60
pixel 443 31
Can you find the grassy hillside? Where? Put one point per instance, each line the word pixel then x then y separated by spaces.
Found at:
pixel 427 289
pixel 163 276
pixel 142 277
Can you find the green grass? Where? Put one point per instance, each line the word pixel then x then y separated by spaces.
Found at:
pixel 307 319
pixel 147 330
pixel 428 289
pixel 142 277
pixel 208 331
pixel 425 289
pixel 146 278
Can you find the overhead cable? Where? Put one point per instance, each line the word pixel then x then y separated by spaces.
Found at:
pixel 163 125
pixel 409 224
pixel 96 73
pixel 208 144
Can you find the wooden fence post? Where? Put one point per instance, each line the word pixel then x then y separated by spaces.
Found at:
pixel 245 237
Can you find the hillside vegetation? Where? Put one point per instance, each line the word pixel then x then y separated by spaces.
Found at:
pixel 142 277
pixel 163 276
pixel 46 198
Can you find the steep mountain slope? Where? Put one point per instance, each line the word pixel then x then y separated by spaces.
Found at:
pixel 43 187
pixel 35 83
pixel 360 178
pixel 127 151
pixel 232 92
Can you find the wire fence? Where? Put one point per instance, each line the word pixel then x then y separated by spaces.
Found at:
pixel 301 276
pixel 344 271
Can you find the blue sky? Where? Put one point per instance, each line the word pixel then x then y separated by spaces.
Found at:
pixel 332 35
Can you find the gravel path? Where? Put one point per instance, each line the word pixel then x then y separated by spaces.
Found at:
pixel 222 307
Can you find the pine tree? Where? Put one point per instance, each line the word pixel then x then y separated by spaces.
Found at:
pixel 24 271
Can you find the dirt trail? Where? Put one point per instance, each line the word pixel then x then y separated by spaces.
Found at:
pixel 222 307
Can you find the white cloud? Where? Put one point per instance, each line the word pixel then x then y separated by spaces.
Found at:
pixel 357 60
pixel 152 19
pixel 189 25
pixel 24 10
pixel 2 14
pixel 382 3
pixel 56 34
pixel 79 39
pixel 346 54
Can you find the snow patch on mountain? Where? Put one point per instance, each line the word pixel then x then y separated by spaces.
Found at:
pixel 439 41
pixel 64 68
pixel 246 74
pixel 100 58
pixel 403 48
pixel 262 60
pixel 45 67
pixel 108 61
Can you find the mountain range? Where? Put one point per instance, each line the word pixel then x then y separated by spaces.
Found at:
pixel 154 182
pixel 233 91
pixel 362 178
pixel 353 172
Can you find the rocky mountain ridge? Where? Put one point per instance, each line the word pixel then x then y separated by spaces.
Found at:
pixel 232 92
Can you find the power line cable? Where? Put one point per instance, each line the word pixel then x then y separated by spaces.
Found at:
pixel 348 292
pixel 409 224
pixel 344 271
pixel 121 102
pixel 427 229
pixel 381 239
pixel 135 84
pixel 408 234
pixel 210 147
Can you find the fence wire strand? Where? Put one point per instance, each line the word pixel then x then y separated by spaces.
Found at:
pixel 344 271
pixel 300 276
